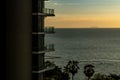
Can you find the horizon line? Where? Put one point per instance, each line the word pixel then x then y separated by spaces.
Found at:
pixel 85 28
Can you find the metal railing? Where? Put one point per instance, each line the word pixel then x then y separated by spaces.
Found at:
pixel 43 68
pixel 50 47
pixel 48 11
pixel 49 30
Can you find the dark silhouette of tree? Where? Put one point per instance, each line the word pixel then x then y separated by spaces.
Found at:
pixel 72 67
pixel 114 76
pixel 65 74
pixel 89 71
pixel 55 73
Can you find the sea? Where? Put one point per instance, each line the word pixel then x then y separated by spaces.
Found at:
pixel 97 46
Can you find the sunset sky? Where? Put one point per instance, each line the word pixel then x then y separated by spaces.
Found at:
pixel 84 13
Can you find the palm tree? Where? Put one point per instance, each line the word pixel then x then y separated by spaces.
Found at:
pixel 115 76
pixel 65 74
pixel 89 71
pixel 72 67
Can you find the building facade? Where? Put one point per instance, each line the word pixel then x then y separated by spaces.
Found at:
pixel 39 13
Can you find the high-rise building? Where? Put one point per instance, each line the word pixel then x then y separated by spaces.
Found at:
pixel 39 12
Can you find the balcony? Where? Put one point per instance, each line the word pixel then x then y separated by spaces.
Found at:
pixel 49 30
pixel 48 12
pixel 47 66
pixel 38 33
pixel 43 70
pixel 47 48
pixel 38 14
pixel 50 47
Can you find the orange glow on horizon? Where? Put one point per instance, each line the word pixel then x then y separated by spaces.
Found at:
pixel 68 21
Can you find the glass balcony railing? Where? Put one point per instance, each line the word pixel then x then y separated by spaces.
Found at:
pixel 37 33
pixel 46 67
pixel 45 12
pixel 48 12
pixel 44 70
pixel 49 47
pixel 49 30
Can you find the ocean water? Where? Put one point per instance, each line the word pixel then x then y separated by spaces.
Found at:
pixel 99 47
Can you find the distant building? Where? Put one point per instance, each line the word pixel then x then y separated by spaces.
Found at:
pixel 39 12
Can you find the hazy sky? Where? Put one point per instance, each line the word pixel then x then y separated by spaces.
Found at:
pixel 84 13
